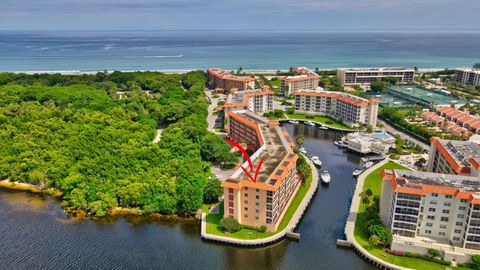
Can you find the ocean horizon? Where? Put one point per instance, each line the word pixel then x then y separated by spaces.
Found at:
pixel 177 51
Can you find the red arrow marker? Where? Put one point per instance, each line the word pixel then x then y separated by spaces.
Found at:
pixel 244 153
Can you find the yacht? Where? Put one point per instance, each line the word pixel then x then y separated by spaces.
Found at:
pixel 368 165
pixel 303 150
pixel 293 122
pixel 309 123
pixel 357 172
pixel 323 127
pixel 325 176
pixel 316 161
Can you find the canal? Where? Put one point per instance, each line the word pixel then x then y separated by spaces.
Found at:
pixel 36 234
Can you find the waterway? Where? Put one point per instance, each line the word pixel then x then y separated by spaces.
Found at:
pixel 36 234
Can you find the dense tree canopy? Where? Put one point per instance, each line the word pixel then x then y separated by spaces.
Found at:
pixel 90 136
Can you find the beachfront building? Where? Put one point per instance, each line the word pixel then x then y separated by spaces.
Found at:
pixel 468 76
pixel 351 109
pixel 351 76
pixel 258 101
pixel 432 210
pixel 303 79
pixel 224 81
pixel 264 202
pixel 365 143
pixel 454 157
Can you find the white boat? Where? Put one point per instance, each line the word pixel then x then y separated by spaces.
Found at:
pixel 357 172
pixel 368 165
pixel 325 176
pixel 316 161
pixel 339 143
pixel 303 150
pixel 323 127
pixel 293 122
pixel 309 123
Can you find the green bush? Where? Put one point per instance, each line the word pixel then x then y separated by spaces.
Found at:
pixel 229 224
pixel 290 110
pixel 424 257
pixel 263 228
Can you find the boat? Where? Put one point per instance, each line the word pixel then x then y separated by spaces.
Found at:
pixel 293 122
pixel 303 150
pixel 316 161
pixel 309 123
pixel 339 143
pixel 357 172
pixel 325 176
pixel 368 165
pixel 323 127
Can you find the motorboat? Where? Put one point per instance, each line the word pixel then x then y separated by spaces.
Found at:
pixel 368 165
pixel 339 143
pixel 293 122
pixel 316 161
pixel 309 123
pixel 325 176
pixel 323 127
pixel 303 150
pixel 357 172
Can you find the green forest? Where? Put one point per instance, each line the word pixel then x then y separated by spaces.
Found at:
pixel 91 137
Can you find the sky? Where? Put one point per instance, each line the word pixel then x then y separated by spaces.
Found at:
pixel 238 14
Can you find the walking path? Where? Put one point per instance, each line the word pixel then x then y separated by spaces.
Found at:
pixel 352 217
pixel 159 135
pixel 276 237
pixel 211 107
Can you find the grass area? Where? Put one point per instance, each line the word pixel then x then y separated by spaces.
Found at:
pixel 321 119
pixel 213 220
pixel 374 182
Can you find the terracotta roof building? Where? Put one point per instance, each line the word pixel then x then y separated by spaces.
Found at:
pixel 258 100
pixel 351 109
pixel 454 157
pixel 303 79
pixel 225 81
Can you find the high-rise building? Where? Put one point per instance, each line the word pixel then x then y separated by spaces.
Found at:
pixel 303 79
pixel 258 101
pixel 454 157
pixel 265 201
pixel 225 81
pixel 468 76
pixel 351 109
pixel 350 76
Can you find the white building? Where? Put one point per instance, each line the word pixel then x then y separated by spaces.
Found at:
pixel 303 79
pixel 364 143
pixel 432 210
pixel 350 76
pixel 351 109
pixel 258 101
pixel 468 76
pixel 454 157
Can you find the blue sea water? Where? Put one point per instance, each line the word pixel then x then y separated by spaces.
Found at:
pixel 252 50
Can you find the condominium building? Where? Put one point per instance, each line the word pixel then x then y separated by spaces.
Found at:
pixel 258 101
pixel 225 81
pixel 454 157
pixel 350 76
pixel 351 109
pixel 432 210
pixel 303 79
pixel 468 76
pixel 262 202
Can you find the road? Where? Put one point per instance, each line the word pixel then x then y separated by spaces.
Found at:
pixel 394 131
pixel 211 107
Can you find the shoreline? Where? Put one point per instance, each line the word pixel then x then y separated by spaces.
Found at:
pixel 175 71
pixel 7 184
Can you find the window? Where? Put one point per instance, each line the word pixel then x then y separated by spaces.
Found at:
pixel 429 224
pixel 445 211
pixel 460 216
pixel 269 221
pixel 269 193
pixel 456 238
pixel 269 207
pixel 443 226
pixel 446 204
pixel 444 219
pixel 257 190
pixel 230 190
pixel 458 223
pixel 462 208
pixel 246 216
pixel 257 197
pixel 457 231
pixel 431 217
pixel 441 233
pixel 428 231
pixel 433 202
pixel 463 200
pixel 257 218
pixel 256 211
pixel 246 208
pixel 448 196
pixel 431 209
pixel 246 195
pixel 434 194
pixel 257 204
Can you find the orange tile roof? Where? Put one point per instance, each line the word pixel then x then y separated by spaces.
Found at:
pixel 446 155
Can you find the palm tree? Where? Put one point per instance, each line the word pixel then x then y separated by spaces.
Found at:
pixel 300 139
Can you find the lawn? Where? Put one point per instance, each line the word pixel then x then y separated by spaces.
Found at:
pixel 321 119
pixel 374 182
pixel 213 220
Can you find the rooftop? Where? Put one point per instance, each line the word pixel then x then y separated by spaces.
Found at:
pixel 473 70
pixel 461 151
pixel 378 69
pixel 415 180
pixel 225 75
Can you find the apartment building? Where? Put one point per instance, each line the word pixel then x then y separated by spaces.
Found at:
pixel 454 157
pixel 432 210
pixel 350 76
pixel 468 76
pixel 303 79
pixel 258 100
pixel 225 81
pixel 352 109
pixel 264 202
pixel 460 118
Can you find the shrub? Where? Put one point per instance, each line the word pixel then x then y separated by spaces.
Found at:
pixel 434 253
pixel 424 257
pixel 263 228
pixel 290 110
pixel 230 224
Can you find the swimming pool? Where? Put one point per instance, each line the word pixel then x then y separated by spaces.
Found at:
pixel 382 136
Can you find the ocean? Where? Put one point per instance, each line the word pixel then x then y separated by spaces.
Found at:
pixel 83 51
